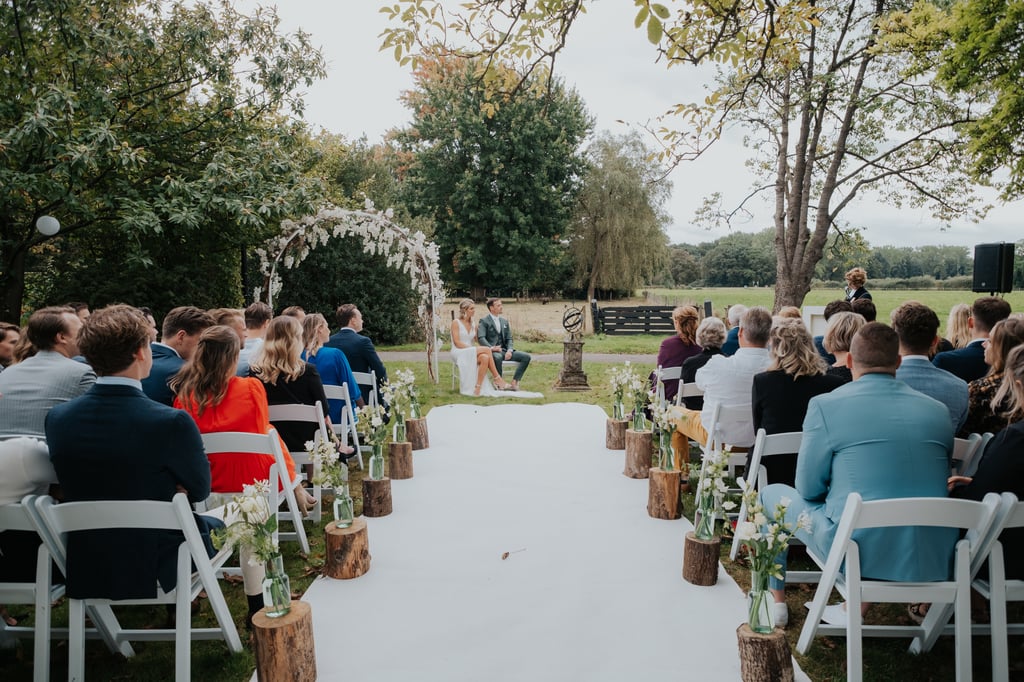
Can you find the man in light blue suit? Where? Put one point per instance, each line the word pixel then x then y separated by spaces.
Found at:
pixel 882 439
pixel 917 326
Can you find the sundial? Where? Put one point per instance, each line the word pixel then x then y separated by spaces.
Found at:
pixel 572 320
pixel 572 378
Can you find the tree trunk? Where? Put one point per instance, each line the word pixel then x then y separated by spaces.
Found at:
pixel 764 658
pixel 283 646
pixel 347 549
pixel 12 287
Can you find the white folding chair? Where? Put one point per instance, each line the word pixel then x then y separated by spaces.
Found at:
pixel 347 426
pixel 715 444
pixel 240 444
pixel 690 390
pixel 964 449
pixel 664 375
pixel 757 476
pixel 368 379
pixel 61 519
pixel 307 414
pixel 976 518
pixel 971 459
pixel 41 592
pixel 998 590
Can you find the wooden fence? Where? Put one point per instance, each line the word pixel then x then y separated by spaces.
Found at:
pixel 642 319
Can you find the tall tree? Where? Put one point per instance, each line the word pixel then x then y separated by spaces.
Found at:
pixel 618 238
pixel 498 177
pixel 838 95
pixel 145 118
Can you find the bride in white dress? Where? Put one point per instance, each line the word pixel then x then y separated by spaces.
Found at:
pixel 474 362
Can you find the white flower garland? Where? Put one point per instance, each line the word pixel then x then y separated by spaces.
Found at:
pixel 407 251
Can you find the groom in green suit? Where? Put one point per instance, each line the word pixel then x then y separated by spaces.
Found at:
pixel 493 331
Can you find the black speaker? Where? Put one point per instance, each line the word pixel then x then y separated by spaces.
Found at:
pixel 993 268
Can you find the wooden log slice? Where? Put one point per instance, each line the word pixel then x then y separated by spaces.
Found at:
pixel 638 453
pixel 663 501
pixel 416 432
pixel 283 646
pixel 700 560
pixel 400 461
pixel 615 434
pixel 764 658
pixel 348 550
pixel 377 497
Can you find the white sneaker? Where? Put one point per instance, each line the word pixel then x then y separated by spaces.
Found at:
pixel 780 614
pixel 834 614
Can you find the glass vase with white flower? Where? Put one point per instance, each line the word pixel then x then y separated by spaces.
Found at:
pixel 400 394
pixel 711 492
pixel 664 426
pixel 764 541
pixel 620 378
pixel 374 431
pixel 329 472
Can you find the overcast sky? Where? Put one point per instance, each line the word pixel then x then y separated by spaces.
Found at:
pixel 612 67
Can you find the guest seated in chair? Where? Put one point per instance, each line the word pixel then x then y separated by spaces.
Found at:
pixel 842 327
pixel 494 331
pixel 207 388
pixel 474 362
pixel 330 362
pixel 710 337
pixel 968 362
pixel 781 393
pixel 677 349
pixel 902 449
pixel 986 412
pixel 115 443
pixel 181 330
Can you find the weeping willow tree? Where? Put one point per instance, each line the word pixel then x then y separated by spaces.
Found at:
pixel 618 239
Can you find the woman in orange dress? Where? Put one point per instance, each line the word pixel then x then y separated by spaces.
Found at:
pixel 207 388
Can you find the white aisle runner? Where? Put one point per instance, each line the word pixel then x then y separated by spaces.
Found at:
pixel 595 594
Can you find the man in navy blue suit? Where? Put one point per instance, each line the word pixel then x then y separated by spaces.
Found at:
pixel 358 349
pixel 182 327
pixel 115 443
pixel 968 362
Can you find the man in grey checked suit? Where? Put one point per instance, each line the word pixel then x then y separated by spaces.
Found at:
pixel 917 326
pixel 30 388
pixel 494 331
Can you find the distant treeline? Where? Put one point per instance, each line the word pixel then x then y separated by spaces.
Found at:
pixel 748 259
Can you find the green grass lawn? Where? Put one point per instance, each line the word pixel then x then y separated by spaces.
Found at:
pixel 883 659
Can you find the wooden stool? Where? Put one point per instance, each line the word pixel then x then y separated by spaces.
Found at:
pixel 348 550
pixel 400 460
pixel 700 560
pixel 416 432
pixel 376 497
pixel 283 646
pixel 663 501
pixel 615 434
pixel 638 453
pixel 764 658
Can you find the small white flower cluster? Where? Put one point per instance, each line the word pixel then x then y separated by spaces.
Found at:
pixel 626 384
pixel 401 393
pixel 371 424
pixel 662 416
pixel 765 540
pixel 326 463
pixel 254 525
pixel 711 490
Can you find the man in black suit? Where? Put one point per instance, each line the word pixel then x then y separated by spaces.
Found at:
pixel 182 327
pixel 968 362
pixel 358 349
pixel 115 443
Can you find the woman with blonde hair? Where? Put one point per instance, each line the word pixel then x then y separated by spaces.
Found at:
pixel 678 348
pixel 842 327
pixel 473 361
pixel 958 329
pixel 781 394
pixel 331 363
pixel 988 397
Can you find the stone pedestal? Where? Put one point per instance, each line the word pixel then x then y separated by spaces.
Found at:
pixel 572 377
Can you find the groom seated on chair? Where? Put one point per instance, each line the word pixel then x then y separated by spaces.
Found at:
pixel 878 437
pixel 115 443
pixel 494 331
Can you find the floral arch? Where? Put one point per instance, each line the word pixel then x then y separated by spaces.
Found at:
pixel 406 250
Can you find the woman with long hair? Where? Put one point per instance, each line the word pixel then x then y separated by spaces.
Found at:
pixel 473 361
pixel 289 380
pixel 678 348
pixel 958 328
pixel 781 394
pixel 331 363
pixel 988 397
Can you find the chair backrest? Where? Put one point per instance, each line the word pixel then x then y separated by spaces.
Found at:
pixel 970 462
pixel 690 390
pixel 766 446
pixel 368 379
pixel 297 412
pixel 964 449
pixel 15 517
pixel 664 375
pixel 724 414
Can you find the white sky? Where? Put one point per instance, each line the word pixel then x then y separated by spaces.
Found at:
pixel 612 67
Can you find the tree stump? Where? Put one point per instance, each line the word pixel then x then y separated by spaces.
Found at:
pixel 416 431
pixel 615 434
pixel 700 560
pixel 638 453
pixel 348 550
pixel 400 461
pixel 377 497
pixel 663 501
pixel 764 658
pixel 283 646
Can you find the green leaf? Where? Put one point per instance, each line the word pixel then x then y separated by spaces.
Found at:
pixel 654 31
